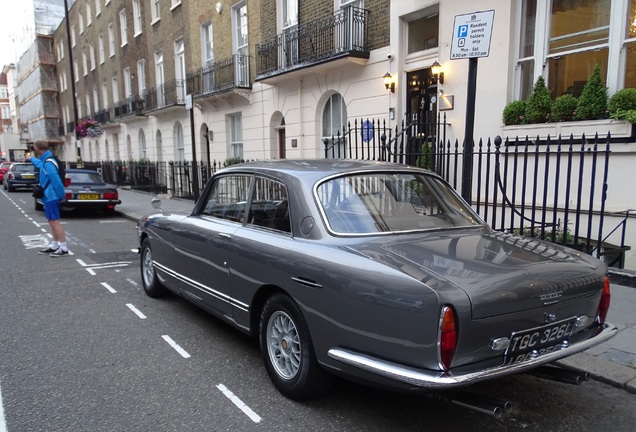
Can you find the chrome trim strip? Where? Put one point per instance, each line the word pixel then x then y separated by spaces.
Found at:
pixel 429 379
pixel 206 289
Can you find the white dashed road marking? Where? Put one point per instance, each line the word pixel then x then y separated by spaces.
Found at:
pixel 136 311
pixel 174 345
pixel 239 403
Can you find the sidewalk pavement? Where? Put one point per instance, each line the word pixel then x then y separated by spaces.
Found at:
pixel 613 362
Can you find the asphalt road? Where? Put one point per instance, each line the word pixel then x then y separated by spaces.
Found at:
pixel 82 348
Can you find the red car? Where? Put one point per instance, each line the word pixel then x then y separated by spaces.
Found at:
pixel 4 167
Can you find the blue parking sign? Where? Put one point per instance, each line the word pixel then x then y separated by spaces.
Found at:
pixel 462 31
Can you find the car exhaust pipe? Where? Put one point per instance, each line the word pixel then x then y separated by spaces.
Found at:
pixel 480 404
pixel 568 376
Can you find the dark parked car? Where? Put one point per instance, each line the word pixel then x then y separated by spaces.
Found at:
pixel 377 272
pixel 87 191
pixel 20 175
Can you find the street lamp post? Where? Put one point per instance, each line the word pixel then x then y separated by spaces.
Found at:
pixel 74 95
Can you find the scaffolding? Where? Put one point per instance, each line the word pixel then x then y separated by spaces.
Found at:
pixel 37 91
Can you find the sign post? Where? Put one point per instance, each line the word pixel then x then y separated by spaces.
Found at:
pixel 471 40
pixel 195 171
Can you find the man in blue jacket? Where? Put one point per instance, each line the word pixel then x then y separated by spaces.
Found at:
pixel 53 194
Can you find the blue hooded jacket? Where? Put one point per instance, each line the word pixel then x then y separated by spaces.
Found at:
pixel 49 178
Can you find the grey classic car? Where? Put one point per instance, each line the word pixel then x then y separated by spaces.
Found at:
pixel 373 271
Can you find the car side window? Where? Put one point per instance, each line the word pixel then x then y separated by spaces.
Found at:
pixel 227 198
pixel 269 206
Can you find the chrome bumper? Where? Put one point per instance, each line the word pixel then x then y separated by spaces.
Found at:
pixel 441 380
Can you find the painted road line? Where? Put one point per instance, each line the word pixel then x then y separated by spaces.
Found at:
pixel 136 311
pixel 108 287
pixel 239 403
pixel 3 423
pixel 174 345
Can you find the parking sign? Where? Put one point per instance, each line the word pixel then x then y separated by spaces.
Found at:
pixel 471 35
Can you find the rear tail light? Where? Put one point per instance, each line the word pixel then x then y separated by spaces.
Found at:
pixel 604 304
pixel 11 176
pixel 68 196
pixel 67 181
pixel 110 195
pixel 447 337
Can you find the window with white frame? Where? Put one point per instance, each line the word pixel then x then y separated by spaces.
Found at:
pixel 236 135
pixel 289 22
pixel 89 15
pixel 174 3
pixel 76 70
pixel 334 119
pixel 61 51
pixel 564 40
pixel 61 84
pixel 123 27
pixel 180 70
pixel 105 95
pixel 207 44
pixel 106 2
pixel 141 77
pixel 73 36
pixel 81 23
pixel 155 10
pixel 207 57
pixel 98 7
pixel 102 53
pixel 179 142
pixel 629 50
pixel 64 80
pixel 137 16
pixel 239 26
pixel 354 38
pixel 85 63
pixel 423 31
pixel 160 78
pixel 91 53
pixel 95 100
pixel 88 104
pixel 127 83
pixel 115 91
pixel 111 39
pixel 143 152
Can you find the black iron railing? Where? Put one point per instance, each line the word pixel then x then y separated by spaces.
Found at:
pixel 165 95
pixel 345 33
pixel 130 106
pixel 233 72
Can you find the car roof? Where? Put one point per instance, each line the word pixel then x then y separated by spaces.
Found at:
pixel 314 169
pixel 82 170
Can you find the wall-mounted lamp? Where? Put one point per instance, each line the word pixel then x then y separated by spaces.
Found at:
pixel 219 6
pixel 210 135
pixel 438 75
pixel 389 83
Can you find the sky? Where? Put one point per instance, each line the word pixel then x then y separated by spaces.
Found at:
pixel 7 22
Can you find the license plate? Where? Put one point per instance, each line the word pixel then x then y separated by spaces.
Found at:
pixel 537 341
pixel 28 176
pixel 88 196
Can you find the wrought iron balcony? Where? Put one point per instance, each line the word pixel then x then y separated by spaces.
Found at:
pixel 103 117
pixel 343 34
pixel 163 96
pixel 130 106
pixel 222 75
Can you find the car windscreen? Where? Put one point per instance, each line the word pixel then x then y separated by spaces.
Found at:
pixel 85 178
pixel 22 168
pixel 391 202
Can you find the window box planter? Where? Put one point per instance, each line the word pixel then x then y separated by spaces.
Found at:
pixel 619 130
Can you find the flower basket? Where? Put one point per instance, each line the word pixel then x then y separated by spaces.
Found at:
pixel 88 128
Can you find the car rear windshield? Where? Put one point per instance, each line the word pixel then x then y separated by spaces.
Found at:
pixel 23 168
pixel 85 178
pixel 391 202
